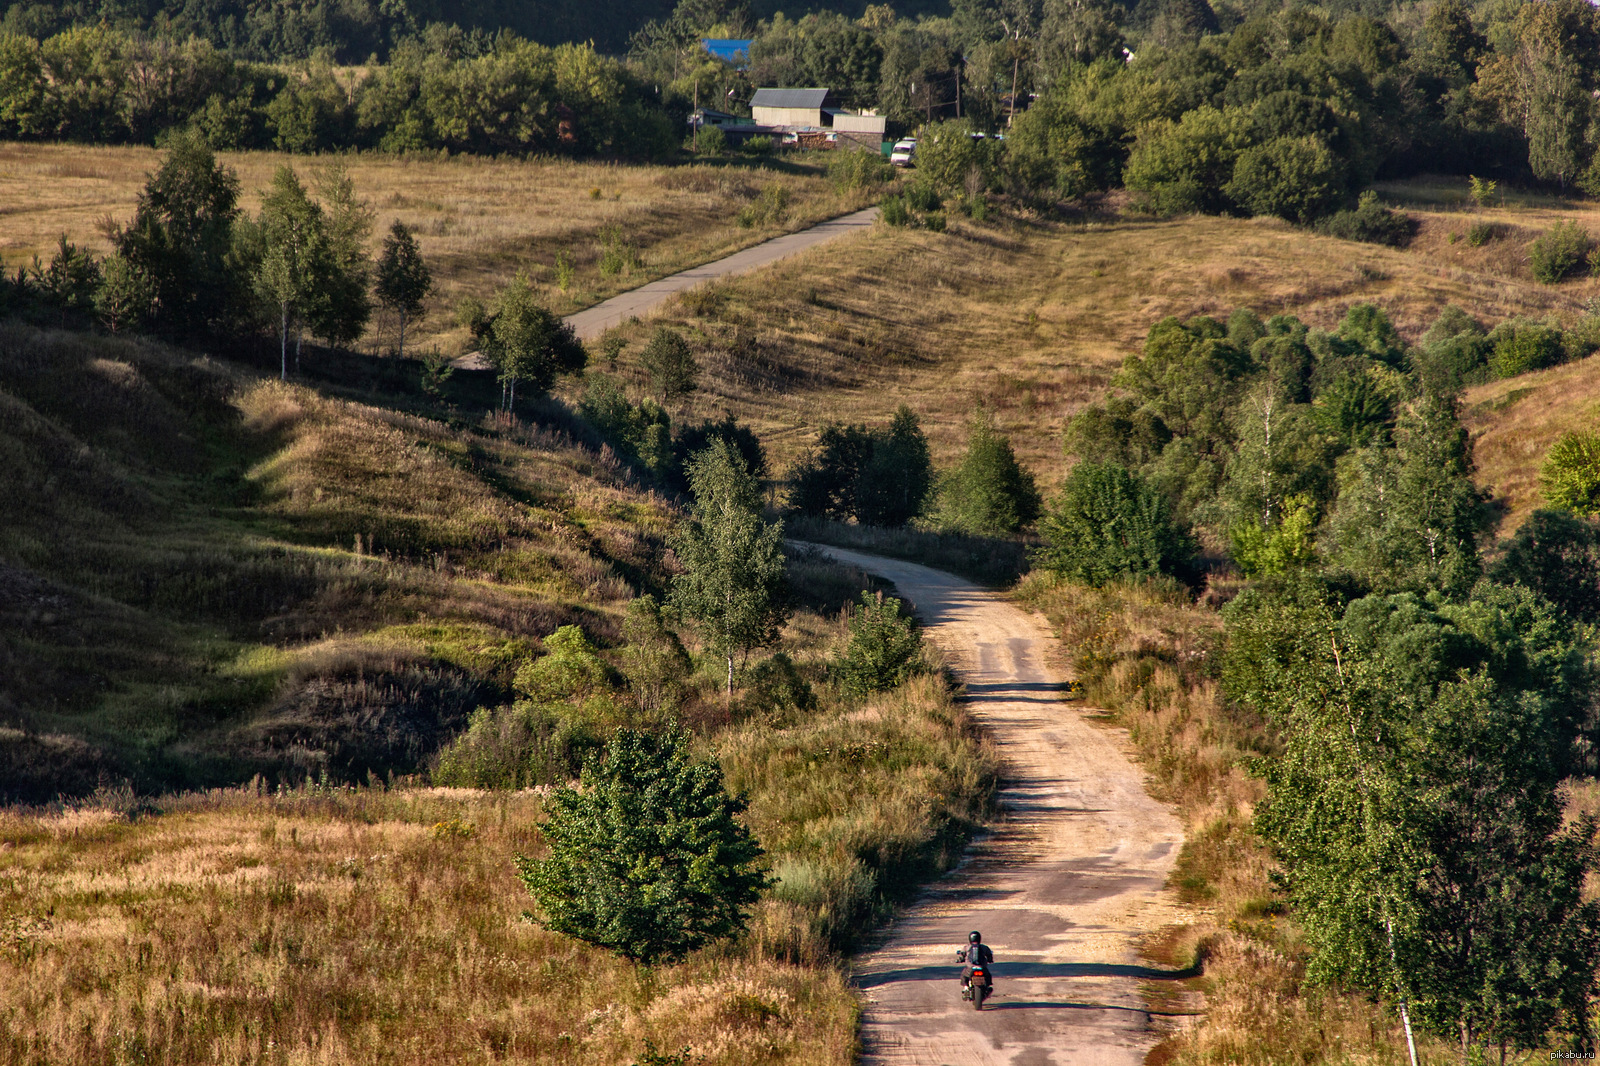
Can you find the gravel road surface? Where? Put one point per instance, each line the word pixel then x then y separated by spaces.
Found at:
pixel 594 321
pixel 1064 889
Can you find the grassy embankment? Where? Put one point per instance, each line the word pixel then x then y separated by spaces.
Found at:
pixel 206 575
pixel 478 221
pixel 1031 318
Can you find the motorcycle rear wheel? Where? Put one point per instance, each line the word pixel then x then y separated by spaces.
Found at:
pixel 978 992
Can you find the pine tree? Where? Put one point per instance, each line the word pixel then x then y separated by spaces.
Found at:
pixel 648 858
pixel 671 365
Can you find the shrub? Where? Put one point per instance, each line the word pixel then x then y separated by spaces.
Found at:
pixel 859 169
pixel 774 688
pixel 1110 523
pixel 769 208
pixel 1183 166
pixel 1370 223
pixel 923 196
pixel 521 746
pixel 894 212
pixel 1519 346
pixel 1482 191
pixel 670 363
pixel 570 669
pixel 948 155
pixel 1559 252
pixel 935 221
pixel 761 145
pixel 648 859
pixel 1481 233
pixel 1295 178
pixel 712 141
pixel 885 647
pixel 1570 475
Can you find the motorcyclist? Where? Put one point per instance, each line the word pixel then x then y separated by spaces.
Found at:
pixel 976 953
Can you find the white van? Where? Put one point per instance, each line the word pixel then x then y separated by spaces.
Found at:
pixel 904 153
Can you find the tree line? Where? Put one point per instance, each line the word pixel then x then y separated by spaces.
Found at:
pixel 444 90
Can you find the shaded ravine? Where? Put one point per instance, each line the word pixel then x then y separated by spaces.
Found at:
pixel 593 321
pixel 1063 890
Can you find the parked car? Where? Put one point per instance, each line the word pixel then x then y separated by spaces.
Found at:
pixel 904 153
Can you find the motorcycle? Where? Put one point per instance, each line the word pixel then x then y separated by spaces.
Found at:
pixel 979 986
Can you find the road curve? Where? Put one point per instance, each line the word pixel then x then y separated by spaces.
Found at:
pixel 1063 890
pixel 592 322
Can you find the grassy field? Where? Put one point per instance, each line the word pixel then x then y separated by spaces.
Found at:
pixel 1031 318
pixel 478 220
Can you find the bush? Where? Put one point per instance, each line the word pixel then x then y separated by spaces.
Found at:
pixel 1559 252
pixel 1519 346
pixel 1370 223
pixel 950 158
pixel 1570 475
pixel 648 859
pixel 521 746
pixel 761 145
pixel 1183 166
pixel 894 212
pixel 885 647
pixel 879 477
pixel 670 363
pixel 770 208
pixel 1481 233
pixel 1295 178
pixel 1110 523
pixel 712 141
pixel 859 169
pixel 923 196
pixel 774 688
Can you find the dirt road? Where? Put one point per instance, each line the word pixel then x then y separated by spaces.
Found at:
pixel 1062 891
pixel 590 323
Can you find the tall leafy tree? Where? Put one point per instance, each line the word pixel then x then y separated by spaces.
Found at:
pixel 403 280
pixel 1416 806
pixel 1409 516
pixel 181 237
pixel 895 481
pixel 295 258
pixel 733 584
pixel 343 308
pixel 526 343
pixel 648 858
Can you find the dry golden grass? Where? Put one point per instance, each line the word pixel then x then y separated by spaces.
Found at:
pixel 1514 422
pixel 478 220
pixel 346 927
pixel 1032 318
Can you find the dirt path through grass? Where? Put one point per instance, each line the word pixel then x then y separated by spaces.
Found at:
pixel 1065 888
pixel 636 303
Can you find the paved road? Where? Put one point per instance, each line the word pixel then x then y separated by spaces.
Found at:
pixel 1063 890
pixel 592 322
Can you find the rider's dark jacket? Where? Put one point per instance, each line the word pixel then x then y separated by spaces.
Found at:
pixel 976 953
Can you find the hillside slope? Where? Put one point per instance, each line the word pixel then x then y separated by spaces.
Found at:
pixel 204 574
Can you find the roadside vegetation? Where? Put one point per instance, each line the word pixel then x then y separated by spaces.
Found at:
pixel 1346 699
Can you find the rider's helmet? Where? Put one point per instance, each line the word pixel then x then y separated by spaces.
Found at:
pixel 974 936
